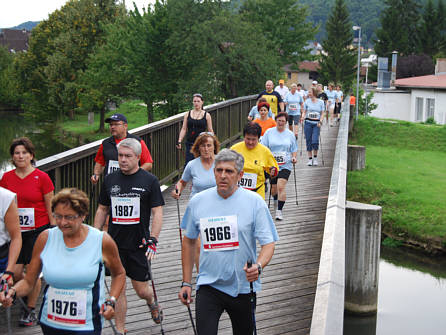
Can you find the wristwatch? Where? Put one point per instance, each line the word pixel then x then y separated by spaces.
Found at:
pixel 259 268
pixel 185 283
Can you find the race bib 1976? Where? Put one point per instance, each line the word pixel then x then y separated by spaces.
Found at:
pixel 68 307
pixel 219 233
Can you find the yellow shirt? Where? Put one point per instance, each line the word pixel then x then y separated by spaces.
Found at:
pixel 257 161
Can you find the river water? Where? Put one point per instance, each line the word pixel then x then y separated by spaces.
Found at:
pixel 14 125
pixel 411 297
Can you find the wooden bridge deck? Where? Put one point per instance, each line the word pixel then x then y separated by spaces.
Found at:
pixel 285 304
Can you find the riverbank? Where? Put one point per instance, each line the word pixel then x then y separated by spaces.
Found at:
pixel 406 175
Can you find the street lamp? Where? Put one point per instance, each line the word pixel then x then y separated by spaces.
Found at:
pixel 358 28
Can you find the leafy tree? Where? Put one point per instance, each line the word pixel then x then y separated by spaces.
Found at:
pixel 399 25
pixel 284 23
pixel 9 95
pixel 339 63
pixel 429 32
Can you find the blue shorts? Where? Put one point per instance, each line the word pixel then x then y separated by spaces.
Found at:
pixel 3 264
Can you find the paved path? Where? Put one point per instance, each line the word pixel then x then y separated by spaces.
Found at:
pixel 285 304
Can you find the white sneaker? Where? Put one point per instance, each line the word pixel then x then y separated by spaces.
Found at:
pixel 310 162
pixel 276 204
pixel 315 163
pixel 279 215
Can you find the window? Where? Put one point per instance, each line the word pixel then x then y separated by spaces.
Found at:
pixel 419 109
pixel 430 108
pixel 289 75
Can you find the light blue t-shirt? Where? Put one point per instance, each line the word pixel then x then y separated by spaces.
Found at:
pixel 314 109
pixel 282 145
pixel 332 96
pixel 201 178
pixel 223 269
pixel 293 103
pixel 254 113
pixel 339 95
pixel 72 272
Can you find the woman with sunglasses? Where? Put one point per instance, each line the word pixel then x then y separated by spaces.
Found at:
pixel 195 122
pixel 71 257
pixel 34 190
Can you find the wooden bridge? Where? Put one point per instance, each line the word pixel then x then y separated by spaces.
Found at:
pixel 302 287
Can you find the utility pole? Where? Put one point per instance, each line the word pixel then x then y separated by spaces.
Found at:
pixel 358 28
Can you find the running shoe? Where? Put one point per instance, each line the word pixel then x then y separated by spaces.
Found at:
pixel 315 162
pixel 27 319
pixel 279 215
pixel 310 162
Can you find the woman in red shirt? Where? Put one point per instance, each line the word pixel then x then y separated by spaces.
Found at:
pixel 34 190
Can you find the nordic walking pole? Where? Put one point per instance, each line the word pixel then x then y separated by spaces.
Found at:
pixel 322 151
pixel 4 287
pixel 295 185
pixel 179 218
pixel 253 307
pixel 269 198
pixel 156 297
pixel 115 331
pixel 190 314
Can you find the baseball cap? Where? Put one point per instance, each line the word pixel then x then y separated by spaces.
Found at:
pixel 281 81
pixel 314 82
pixel 116 117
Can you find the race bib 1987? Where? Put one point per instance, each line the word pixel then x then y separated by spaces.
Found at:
pixel 219 233
pixel 125 210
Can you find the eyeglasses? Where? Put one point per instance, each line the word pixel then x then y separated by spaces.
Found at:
pixel 59 217
pixel 206 133
pixel 115 124
pixel 198 95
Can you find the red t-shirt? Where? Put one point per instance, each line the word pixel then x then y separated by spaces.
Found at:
pixel 145 154
pixel 30 191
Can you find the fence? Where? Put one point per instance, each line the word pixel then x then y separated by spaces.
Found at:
pixel 74 167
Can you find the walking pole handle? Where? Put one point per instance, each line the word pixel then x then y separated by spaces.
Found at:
pixel 249 263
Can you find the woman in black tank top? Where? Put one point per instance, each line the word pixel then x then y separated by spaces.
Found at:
pixel 195 122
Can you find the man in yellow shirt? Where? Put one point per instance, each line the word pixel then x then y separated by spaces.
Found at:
pixel 258 159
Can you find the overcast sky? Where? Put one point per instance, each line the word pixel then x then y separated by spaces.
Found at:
pixel 14 12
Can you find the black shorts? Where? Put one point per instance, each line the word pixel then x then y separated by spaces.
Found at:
pixel 135 264
pixel 47 330
pixel 337 109
pixel 28 240
pixel 210 304
pixel 284 174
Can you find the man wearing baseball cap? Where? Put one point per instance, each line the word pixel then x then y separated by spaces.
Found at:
pixel 107 155
pixel 282 89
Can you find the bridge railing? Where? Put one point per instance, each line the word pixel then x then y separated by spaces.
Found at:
pixel 328 311
pixel 74 167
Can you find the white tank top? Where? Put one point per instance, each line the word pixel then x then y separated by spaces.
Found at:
pixel 6 198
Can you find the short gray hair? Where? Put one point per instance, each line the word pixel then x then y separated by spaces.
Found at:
pixel 228 155
pixel 131 143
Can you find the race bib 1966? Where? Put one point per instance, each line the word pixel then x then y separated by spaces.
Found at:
pixel 219 233
pixel 248 181
pixel 125 210
pixel 27 220
pixel 68 307
pixel 112 166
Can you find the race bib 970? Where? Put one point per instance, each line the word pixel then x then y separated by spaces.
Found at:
pixel 219 233
pixel 68 307
pixel 248 181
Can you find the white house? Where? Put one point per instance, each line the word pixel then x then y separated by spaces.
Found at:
pixel 415 99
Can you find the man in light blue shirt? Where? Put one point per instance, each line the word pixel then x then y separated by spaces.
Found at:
pixel 229 220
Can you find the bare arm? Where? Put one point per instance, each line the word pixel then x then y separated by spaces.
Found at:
pixel 179 187
pixel 182 131
pixel 209 122
pixel 97 171
pixel 47 199
pixel 147 166
pixel 187 260
pixel 157 221
pixel 265 255
pixel 282 106
pixel 13 228
pixel 24 286
pixel 101 216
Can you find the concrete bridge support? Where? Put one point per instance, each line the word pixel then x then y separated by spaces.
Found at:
pixel 356 157
pixel 362 249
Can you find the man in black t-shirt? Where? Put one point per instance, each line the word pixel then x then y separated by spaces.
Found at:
pixel 130 196
pixel 273 98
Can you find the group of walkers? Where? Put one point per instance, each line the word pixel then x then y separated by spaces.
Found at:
pixel 42 234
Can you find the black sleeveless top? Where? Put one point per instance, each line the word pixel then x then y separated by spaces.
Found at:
pixel 195 127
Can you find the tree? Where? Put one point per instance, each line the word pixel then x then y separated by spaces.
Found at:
pixel 399 28
pixel 284 24
pixel 430 30
pixel 9 95
pixel 339 63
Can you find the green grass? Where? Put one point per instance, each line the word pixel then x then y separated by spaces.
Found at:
pixel 135 113
pixel 406 175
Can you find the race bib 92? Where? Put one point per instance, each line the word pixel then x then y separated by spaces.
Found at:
pixel 27 219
